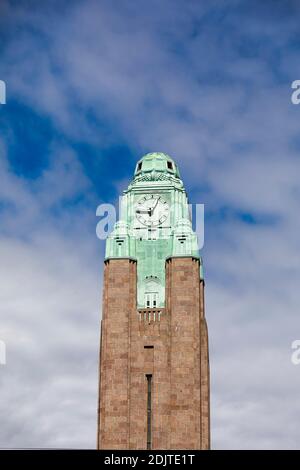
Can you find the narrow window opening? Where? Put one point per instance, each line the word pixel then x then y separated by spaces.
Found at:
pixel 151 299
pixel 139 167
pixel 170 165
pixel 149 410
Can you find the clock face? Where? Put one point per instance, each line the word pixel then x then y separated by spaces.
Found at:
pixel 152 210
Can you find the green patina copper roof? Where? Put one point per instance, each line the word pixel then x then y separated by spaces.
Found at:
pixel 155 164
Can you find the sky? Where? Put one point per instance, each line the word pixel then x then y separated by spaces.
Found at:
pixel 91 86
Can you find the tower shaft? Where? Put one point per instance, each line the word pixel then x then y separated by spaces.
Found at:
pixel 166 347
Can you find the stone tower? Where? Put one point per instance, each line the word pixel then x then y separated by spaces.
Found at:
pixel 154 365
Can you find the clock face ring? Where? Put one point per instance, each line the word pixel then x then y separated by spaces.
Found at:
pixel 152 210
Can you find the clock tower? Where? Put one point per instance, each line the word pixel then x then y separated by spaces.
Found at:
pixel 154 365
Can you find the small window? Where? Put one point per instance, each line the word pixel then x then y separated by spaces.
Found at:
pixel 139 167
pixel 151 299
pixel 170 165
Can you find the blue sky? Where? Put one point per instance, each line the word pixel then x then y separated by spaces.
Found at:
pixel 91 87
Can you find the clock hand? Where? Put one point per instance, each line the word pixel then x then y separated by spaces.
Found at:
pixel 148 211
pixel 156 203
pixel 139 211
pixel 152 209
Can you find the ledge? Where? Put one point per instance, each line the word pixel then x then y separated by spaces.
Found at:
pixel 198 258
pixel 120 257
pixel 150 309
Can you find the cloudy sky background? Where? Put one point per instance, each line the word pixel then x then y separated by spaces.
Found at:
pixel 91 87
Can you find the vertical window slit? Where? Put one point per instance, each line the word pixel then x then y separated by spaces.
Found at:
pixel 149 410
